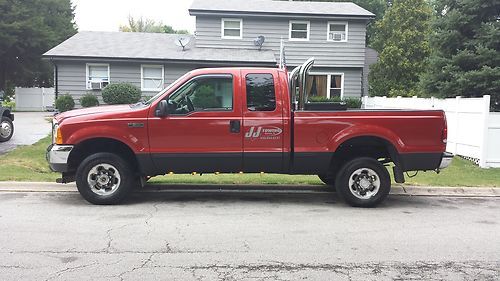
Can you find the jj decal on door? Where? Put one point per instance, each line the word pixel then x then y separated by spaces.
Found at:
pixel 264 133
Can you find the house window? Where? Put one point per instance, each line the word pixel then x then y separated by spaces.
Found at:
pixel 337 31
pixel 326 85
pixel 152 77
pixel 299 31
pixel 232 28
pixel 97 76
pixel 260 92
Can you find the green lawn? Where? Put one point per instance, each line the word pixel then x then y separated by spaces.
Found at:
pixel 27 163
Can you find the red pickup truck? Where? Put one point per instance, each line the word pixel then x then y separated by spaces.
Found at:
pixel 244 120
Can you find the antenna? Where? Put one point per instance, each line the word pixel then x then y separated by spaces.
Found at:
pixel 182 41
pixel 259 41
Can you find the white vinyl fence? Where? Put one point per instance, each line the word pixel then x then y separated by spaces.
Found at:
pixel 34 99
pixel 473 131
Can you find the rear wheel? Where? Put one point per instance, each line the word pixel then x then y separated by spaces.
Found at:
pixel 363 182
pixel 104 178
pixel 6 129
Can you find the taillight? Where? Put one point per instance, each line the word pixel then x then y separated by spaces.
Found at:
pixel 444 133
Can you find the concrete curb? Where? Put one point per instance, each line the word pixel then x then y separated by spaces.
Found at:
pixel 396 189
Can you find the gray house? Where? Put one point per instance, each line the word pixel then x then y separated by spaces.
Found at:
pixel 333 33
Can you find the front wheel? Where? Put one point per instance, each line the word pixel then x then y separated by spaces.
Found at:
pixel 6 129
pixel 104 178
pixel 363 182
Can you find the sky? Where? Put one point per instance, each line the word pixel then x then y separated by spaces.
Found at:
pixel 108 15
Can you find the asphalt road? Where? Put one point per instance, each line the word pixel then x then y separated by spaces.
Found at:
pixel 237 235
pixel 29 127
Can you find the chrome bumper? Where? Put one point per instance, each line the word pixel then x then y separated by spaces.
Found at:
pixel 446 160
pixel 57 156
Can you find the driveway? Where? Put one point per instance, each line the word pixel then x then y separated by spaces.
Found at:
pixel 237 234
pixel 29 127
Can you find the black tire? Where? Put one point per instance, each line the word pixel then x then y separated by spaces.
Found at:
pixel 368 177
pixel 6 122
pixel 121 178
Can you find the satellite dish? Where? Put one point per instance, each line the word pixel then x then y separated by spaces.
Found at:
pixel 259 41
pixel 182 41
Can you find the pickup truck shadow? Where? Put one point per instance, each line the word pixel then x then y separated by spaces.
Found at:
pixel 265 194
pixel 234 193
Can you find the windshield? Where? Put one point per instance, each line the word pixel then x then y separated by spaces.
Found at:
pixel 151 100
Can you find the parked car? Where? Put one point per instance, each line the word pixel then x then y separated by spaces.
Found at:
pixel 6 124
pixel 244 119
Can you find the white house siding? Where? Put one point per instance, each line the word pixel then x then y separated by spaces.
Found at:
pixel 327 53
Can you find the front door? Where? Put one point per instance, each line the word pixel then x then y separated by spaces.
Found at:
pixel 202 131
pixel 263 138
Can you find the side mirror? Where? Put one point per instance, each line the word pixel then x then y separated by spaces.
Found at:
pixel 162 109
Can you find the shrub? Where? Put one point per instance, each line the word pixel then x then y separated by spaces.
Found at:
pixel 65 103
pixel 121 93
pixel 89 100
pixel 351 102
pixel 9 104
pixel 205 97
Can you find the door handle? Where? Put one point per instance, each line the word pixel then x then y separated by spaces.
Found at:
pixel 234 126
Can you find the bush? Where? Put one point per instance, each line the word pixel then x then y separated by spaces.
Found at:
pixel 9 104
pixel 351 102
pixel 89 100
pixel 65 103
pixel 121 93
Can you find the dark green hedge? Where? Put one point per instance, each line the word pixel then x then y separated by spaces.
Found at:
pixel 121 93
pixel 89 100
pixel 65 103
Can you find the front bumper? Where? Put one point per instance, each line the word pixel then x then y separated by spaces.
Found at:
pixel 446 160
pixel 57 156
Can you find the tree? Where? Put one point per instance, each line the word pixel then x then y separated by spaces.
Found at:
pixel 29 28
pixel 377 7
pixel 466 50
pixel 402 42
pixel 148 25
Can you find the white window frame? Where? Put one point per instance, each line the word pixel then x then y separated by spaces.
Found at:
pixel 329 80
pixel 87 72
pixel 162 77
pixel 339 23
pixel 299 22
pixel 222 28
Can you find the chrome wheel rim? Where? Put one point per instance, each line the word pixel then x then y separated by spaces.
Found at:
pixel 103 179
pixel 5 129
pixel 364 183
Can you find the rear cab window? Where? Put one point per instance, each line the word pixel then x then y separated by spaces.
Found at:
pixel 260 91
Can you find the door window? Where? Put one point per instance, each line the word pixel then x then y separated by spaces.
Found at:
pixel 260 92
pixel 205 93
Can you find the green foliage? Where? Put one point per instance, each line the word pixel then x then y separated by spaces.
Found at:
pixel 65 103
pixel 9 104
pixel 466 50
pixel 121 93
pixel 148 25
pixel 205 97
pixel 351 102
pixel 402 42
pixel 29 28
pixel 89 100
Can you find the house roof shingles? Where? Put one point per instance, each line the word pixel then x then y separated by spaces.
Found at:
pixel 150 46
pixel 342 9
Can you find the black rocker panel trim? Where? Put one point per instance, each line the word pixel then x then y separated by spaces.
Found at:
pixel 420 161
pixel 311 163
